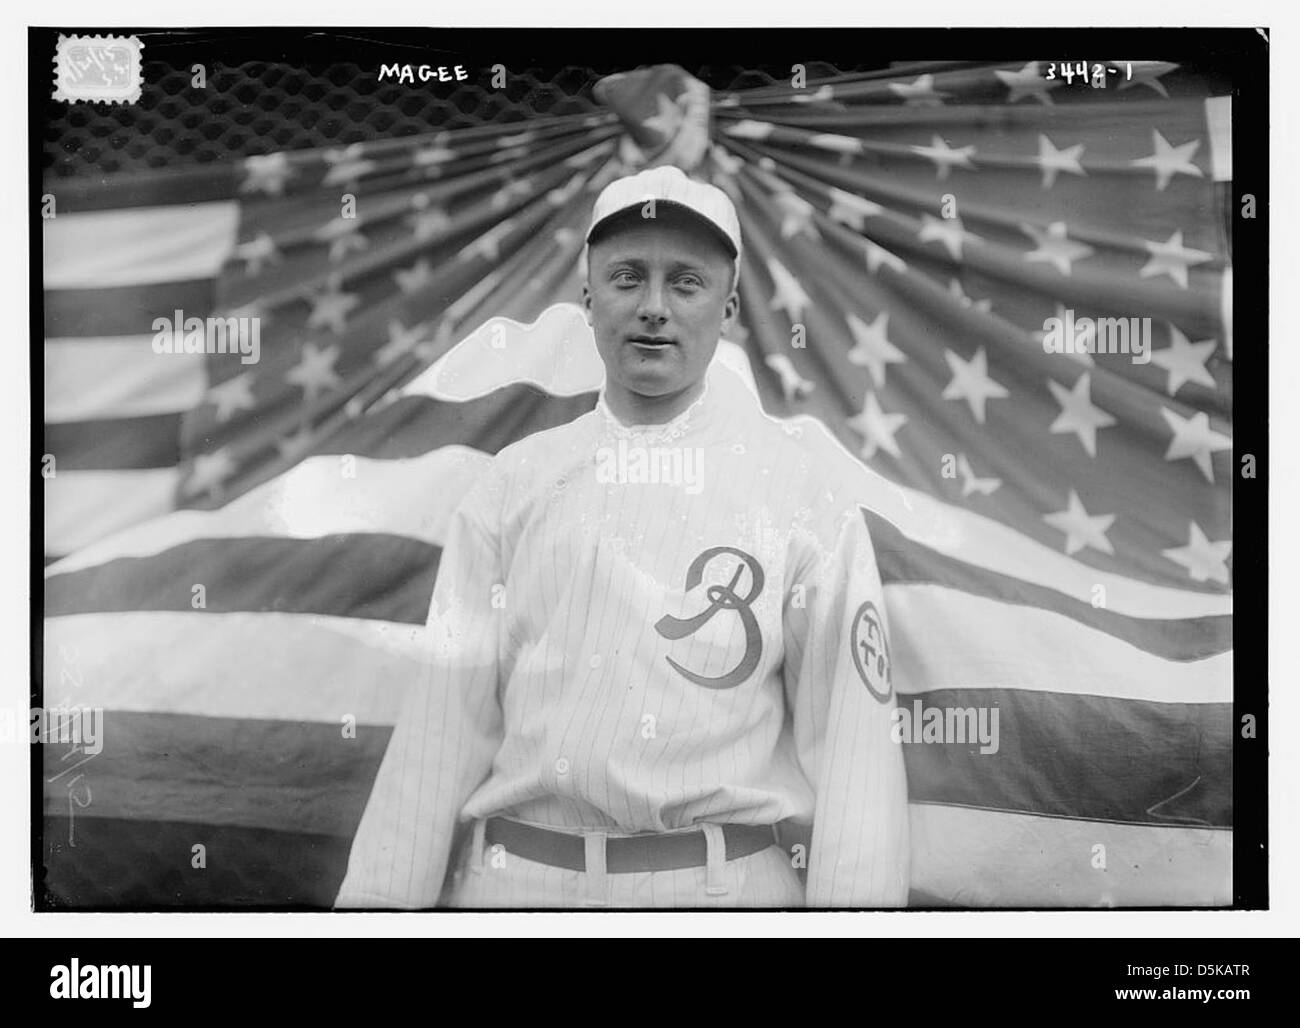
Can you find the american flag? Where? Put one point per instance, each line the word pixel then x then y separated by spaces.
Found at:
pixel 242 554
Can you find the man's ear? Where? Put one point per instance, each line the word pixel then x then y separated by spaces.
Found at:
pixel 730 310
pixel 586 303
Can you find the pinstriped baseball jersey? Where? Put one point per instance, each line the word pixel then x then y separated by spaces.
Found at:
pixel 640 629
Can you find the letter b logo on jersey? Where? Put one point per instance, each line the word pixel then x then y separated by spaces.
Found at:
pixel 721 598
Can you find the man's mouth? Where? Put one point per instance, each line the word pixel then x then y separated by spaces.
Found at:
pixel 650 342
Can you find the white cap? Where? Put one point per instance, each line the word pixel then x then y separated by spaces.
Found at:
pixel 668 185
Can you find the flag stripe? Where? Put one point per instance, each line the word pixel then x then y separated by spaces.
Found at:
pixel 118 377
pixel 82 506
pixel 146 441
pixel 385 577
pixel 363 665
pixel 412 426
pixel 290 667
pixel 162 187
pixel 419 496
pixel 139 246
pixel 1218 119
pixel 1018 647
pixel 1081 756
pixel 903 561
pixel 1030 861
pixel 123 310
pixel 104 863
pixel 304 774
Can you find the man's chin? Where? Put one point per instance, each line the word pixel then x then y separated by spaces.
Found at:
pixel 653 378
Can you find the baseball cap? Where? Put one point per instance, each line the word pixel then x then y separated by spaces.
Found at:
pixel 669 186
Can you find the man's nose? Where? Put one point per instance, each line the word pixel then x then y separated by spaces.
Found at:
pixel 654 303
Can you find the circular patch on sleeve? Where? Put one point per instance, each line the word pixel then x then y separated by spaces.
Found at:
pixel 871 651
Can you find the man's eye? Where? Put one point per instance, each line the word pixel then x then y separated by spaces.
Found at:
pixel 689 282
pixel 623 278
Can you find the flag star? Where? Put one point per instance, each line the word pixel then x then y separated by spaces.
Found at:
pixel 1205 561
pixel 845 146
pixel 793 385
pixel 850 209
pixel 944 156
pixel 872 348
pixel 514 189
pixel 234 394
pixel 1055 247
pixel 1078 414
pixel 401 340
pixel 668 119
pixel 565 236
pixel 1193 437
pixel 971 382
pixel 948 231
pixel 267 173
pixel 1028 81
pixel 877 429
pixel 433 155
pixel 1168 160
pixel 315 371
pixel 1184 361
pixel 796 214
pixel 428 222
pixel 416 277
pixel 788 294
pixel 1052 160
pixel 343 235
pixel 1147 73
pixel 748 129
pixel 347 165
pixel 1081 528
pixel 294 447
pixel 821 94
pixel 331 308
pixel 210 470
pixel 878 255
pixel 1082 356
pixel 971 484
pixel 488 245
pixel 727 163
pixel 256 251
pixel 518 139
pixel 252 309
pixel 1172 258
pixel 435 347
pixel 957 293
pixel 920 93
pixel 561 195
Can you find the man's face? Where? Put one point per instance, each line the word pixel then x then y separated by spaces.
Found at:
pixel 659 294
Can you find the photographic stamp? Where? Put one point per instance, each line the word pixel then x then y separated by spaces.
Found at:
pixel 98 69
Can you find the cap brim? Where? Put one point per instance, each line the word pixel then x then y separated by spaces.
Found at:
pixel 633 212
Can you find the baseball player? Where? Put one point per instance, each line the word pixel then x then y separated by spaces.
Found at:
pixel 657 632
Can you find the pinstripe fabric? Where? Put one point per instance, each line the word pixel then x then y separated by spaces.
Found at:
pixel 551 693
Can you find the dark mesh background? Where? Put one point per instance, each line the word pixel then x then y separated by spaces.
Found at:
pixel 260 107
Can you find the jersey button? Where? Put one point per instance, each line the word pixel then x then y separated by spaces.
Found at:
pixel 595 660
pixel 562 766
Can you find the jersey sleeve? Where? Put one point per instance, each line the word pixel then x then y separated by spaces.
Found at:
pixel 449 729
pixel 839 684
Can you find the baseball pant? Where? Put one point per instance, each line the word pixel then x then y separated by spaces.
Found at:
pixel 488 876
